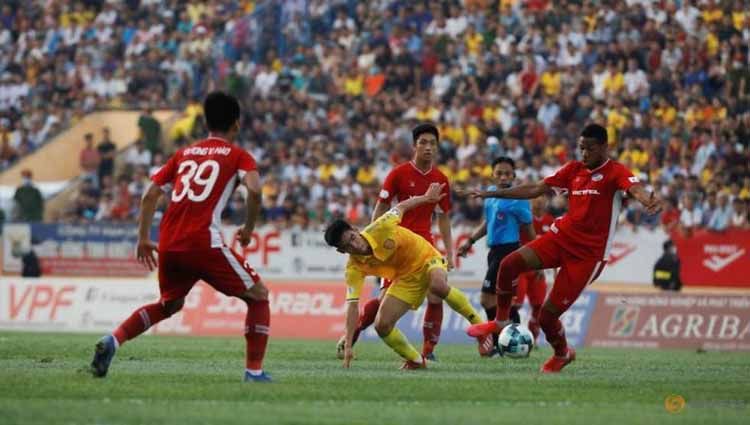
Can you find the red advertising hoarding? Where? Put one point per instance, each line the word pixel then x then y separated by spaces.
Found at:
pixel 714 259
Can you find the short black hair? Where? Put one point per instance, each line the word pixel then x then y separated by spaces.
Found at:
pixel 335 230
pixel 504 160
pixel 422 128
pixel 221 111
pixel 596 132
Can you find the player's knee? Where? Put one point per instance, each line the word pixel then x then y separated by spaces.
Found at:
pixel 259 292
pixel 383 327
pixel 439 287
pixel 172 307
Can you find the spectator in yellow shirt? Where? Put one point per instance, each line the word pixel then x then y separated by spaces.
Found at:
pixel 615 80
pixel 473 41
pixel 354 83
pixel 551 80
pixel 665 112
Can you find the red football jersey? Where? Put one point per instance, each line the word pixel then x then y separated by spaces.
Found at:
pixel 201 179
pixel 406 181
pixel 594 202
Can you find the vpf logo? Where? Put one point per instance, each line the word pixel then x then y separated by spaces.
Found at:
pixel 623 321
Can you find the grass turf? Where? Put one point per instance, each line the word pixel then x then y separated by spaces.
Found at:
pixel 190 380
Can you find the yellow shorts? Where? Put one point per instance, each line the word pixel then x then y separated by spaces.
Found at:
pixel 412 288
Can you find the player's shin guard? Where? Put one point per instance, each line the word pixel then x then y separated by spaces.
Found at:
pixel 433 321
pixel 140 321
pixel 554 332
pixel 366 317
pixel 507 279
pixel 398 343
pixel 257 324
pixel 461 305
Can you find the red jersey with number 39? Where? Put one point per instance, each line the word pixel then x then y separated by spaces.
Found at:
pixel 594 201
pixel 405 181
pixel 199 180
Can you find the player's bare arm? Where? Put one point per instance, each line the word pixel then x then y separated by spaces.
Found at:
pixel 253 185
pixel 146 248
pixel 433 195
pixel 523 191
pixel 380 208
pixel 444 224
pixel 478 233
pixel 352 317
pixel 652 204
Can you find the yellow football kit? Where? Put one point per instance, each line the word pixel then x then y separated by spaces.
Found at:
pixel 399 255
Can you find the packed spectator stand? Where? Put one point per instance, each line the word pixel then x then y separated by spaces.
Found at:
pixel 330 90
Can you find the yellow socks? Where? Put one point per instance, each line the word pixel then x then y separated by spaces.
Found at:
pixel 398 342
pixel 460 304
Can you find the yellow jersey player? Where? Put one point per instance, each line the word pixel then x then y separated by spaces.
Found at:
pixel 387 250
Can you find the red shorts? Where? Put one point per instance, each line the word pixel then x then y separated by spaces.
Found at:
pixel 221 268
pixel 532 284
pixel 574 275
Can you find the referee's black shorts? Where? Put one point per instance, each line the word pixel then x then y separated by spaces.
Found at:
pixel 494 257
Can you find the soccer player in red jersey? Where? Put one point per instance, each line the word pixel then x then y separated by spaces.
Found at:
pixel 577 243
pixel 199 180
pixel 533 283
pixel 406 180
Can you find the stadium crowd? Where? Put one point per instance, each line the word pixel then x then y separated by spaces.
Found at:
pixel 331 89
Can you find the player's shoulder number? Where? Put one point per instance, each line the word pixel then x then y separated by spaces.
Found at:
pixel 195 180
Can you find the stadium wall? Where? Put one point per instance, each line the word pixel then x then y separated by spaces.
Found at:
pixel 641 319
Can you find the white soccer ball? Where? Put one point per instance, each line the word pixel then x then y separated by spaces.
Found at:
pixel 516 341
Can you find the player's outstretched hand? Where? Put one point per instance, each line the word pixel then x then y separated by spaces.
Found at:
pixel 348 356
pixel 463 250
pixel 244 235
pixel 653 205
pixel 435 192
pixel 145 253
pixel 472 193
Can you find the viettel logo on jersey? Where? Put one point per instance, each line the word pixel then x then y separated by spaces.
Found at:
pixel 623 322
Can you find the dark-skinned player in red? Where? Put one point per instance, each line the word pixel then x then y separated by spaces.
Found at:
pixel 578 242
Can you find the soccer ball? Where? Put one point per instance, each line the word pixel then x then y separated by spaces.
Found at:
pixel 516 341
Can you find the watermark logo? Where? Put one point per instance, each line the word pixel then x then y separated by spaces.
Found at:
pixel 674 403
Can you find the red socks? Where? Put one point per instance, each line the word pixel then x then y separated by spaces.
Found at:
pixel 257 324
pixel 433 322
pixel 507 280
pixel 554 332
pixel 366 317
pixel 140 321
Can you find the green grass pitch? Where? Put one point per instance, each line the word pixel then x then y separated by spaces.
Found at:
pixel 190 380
